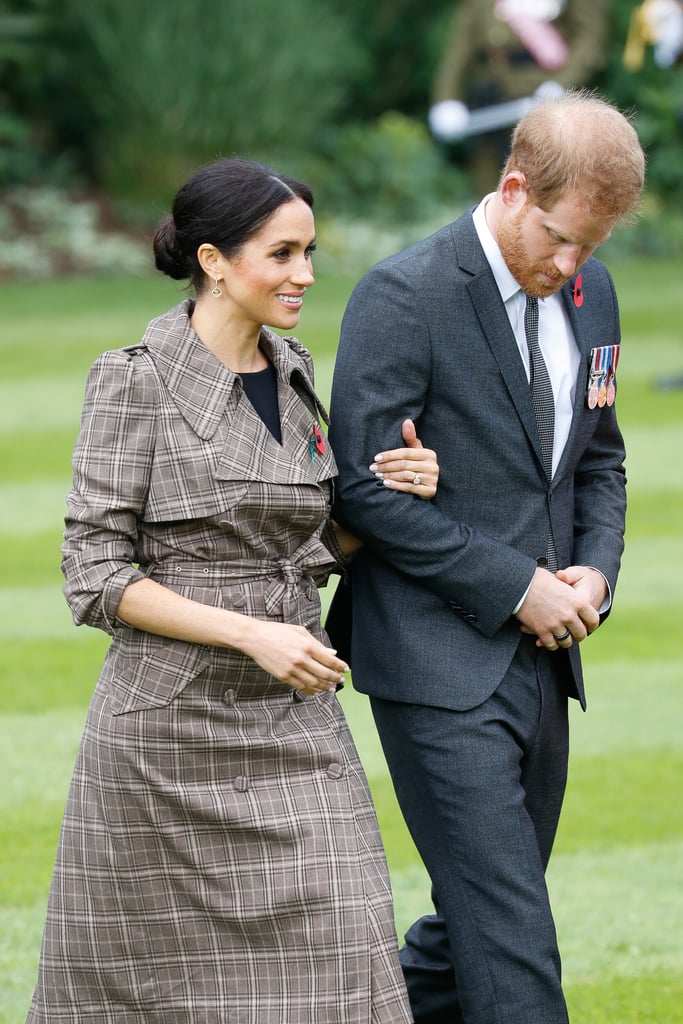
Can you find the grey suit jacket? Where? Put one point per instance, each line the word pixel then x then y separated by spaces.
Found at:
pixel 426 335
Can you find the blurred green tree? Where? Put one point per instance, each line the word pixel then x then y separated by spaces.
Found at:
pixel 168 86
pixel 131 97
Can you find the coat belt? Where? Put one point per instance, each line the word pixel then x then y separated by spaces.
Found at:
pixel 289 577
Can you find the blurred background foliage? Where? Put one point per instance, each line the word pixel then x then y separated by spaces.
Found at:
pixel 106 107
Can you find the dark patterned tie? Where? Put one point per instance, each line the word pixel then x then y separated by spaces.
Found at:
pixel 544 402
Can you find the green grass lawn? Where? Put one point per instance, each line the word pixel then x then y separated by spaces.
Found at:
pixel 616 878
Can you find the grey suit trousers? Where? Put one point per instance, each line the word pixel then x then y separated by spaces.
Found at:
pixel 481 791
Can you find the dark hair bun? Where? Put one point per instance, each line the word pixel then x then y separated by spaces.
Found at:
pixel 223 204
pixel 167 255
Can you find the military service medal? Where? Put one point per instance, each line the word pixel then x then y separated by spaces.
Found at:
pixel 602 372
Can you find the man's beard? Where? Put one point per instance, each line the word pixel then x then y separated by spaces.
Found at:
pixel 514 252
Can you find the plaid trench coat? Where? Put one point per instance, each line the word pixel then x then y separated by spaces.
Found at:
pixel 219 859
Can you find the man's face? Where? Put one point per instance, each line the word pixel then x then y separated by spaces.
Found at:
pixel 544 248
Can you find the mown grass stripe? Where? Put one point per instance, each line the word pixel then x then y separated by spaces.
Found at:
pixel 27 612
pixel 654 457
pixel 651 573
pixel 33 506
pixel 40 403
pixel 614 915
pixel 27 456
pixel 627 712
pixel 21 930
pixel 41 674
pixel 619 911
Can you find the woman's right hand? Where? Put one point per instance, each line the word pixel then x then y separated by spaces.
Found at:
pixel 292 654
pixel 289 653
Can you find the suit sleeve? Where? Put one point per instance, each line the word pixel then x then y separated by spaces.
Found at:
pixel 382 375
pixel 111 469
pixel 599 481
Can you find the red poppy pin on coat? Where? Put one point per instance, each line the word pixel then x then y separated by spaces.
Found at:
pixel 578 291
pixel 317 441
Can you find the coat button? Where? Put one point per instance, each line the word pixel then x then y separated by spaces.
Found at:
pixel 335 770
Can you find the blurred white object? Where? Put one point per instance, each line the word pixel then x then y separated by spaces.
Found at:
pixel 656 23
pixel 450 120
pixel 542 10
pixel 665 22
pixel 548 91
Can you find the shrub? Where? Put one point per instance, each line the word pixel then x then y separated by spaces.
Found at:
pixel 387 172
pixel 174 85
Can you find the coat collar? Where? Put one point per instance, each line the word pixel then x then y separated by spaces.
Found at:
pixel 200 384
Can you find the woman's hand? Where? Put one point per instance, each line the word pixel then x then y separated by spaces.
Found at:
pixel 292 654
pixel 289 653
pixel 412 469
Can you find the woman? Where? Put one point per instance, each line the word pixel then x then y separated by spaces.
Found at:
pixel 219 858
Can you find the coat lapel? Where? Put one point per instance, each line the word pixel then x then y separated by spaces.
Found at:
pixel 210 398
pixel 200 385
pixel 252 453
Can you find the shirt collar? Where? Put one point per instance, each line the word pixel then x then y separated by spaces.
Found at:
pixel 507 285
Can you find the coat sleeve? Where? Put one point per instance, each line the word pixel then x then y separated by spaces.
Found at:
pixel 111 471
pixel 384 374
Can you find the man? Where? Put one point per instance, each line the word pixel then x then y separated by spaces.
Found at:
pixel 465 633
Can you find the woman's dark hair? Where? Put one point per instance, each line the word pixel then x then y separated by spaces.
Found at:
pixel 223 204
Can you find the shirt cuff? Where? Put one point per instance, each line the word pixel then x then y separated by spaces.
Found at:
pixel 604 607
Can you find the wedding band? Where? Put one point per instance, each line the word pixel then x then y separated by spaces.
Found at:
pixel 562 636
pixel 416 480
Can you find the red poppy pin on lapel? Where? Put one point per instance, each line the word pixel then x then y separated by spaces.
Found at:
pixel 317 441
pixel 578 291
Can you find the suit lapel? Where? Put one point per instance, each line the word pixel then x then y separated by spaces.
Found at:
pixel 498 333
pixel 500 339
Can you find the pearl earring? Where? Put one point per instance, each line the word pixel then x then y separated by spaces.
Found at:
pixel 216 291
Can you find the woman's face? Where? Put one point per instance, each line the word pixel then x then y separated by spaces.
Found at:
pixel 266 281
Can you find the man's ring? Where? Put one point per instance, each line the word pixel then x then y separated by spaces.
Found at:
pixel 417 479
pixel 562 636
